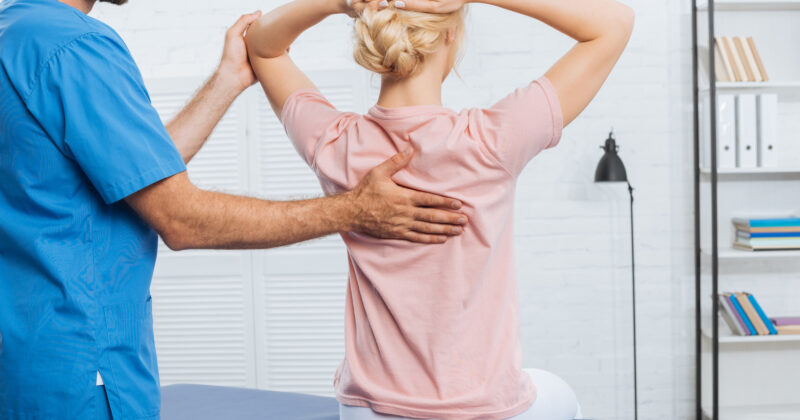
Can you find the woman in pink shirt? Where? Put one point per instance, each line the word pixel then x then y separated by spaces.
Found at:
pixel 432 331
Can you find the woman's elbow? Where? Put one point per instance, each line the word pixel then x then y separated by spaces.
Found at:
pixel 625 18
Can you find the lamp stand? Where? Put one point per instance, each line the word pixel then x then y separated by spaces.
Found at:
pixel 633 301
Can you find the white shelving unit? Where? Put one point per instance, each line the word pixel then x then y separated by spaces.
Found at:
pixel 778 412
pixel 758 377
pixel 752 339
pixel 741 254
pixel 754 171
pixel 755 87
pixel 751 5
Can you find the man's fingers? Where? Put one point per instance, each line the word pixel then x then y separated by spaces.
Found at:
pixel 440 216
pixel 423 238
pixel 244 21
pixel 432 200
pixel 396 163
pixel 436 229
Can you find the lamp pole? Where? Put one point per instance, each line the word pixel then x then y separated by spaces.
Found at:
pixel 611 169
pixel 633 305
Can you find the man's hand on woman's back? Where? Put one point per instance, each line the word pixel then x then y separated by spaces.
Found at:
pixel 389 211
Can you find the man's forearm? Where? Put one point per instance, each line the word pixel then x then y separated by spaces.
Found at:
pixel 188 217
pixel 192 126
pixel 216 220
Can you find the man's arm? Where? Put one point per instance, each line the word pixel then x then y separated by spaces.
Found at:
pixel 187 217
pixel 190 129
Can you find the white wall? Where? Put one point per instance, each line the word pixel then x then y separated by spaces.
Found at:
pixel 572 234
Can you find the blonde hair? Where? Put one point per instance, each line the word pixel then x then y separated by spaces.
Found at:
pixel 395 42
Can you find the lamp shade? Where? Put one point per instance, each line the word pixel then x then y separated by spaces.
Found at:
pixel 610 168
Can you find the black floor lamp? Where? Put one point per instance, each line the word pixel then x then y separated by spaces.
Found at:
pixel 611 169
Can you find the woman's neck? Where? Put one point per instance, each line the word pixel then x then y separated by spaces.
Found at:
pixel 423 88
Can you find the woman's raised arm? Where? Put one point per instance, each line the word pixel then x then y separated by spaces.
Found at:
pixel 269 38
pixel 601 27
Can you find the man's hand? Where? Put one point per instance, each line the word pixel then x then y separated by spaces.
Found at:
pixel 386 210
pixel 234 65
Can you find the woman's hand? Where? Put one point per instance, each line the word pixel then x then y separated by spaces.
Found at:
pixel 430 6
pixel 353 8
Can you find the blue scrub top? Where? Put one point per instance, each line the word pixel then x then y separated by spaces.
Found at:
pixel 77 135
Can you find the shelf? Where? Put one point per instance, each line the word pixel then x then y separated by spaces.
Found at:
pixel 751 5
pixel 773 412
pixel 733 339
pixel 735 254
pixel 753 171
pixel 750 86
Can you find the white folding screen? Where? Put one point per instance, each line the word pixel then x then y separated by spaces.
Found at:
pixel 269 319
pixel 202 299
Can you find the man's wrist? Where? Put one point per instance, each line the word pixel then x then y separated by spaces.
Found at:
pixel 226 83
pixel 345 211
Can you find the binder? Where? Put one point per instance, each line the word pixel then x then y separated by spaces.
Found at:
pixel 767 130
pixel 726 132
pixel 746 131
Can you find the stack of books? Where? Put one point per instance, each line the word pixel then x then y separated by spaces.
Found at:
pixel 767 234
pixel 787 324
pixel 744 316
pixel 738 60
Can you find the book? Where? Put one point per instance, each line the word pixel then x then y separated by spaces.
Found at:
pixel 767 110
pixel 746 131
pixel 766 321
pixel 723 70
pixel 757 58
pixel 751 60
pixel 759 326
pixel 788 329
pixel 742 315
pixel 788 229
pixel 748 234
pixel 730 315
pixel 767 222
pixel 783 243
pixel 736 62
pixel 786 320
pixel 748 71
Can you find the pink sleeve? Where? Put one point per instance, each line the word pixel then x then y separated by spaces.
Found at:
pixel 521 125
pixel 309 119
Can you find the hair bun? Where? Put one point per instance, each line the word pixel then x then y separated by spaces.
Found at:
pixel 395 42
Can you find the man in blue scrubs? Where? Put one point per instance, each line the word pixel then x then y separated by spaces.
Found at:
pixel 89 176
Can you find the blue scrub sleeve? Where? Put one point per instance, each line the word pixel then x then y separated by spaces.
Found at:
pixel 90 98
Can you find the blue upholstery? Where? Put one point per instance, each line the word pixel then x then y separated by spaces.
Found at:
pixel 203 402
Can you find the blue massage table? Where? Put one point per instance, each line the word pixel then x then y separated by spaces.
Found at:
pixel 204 402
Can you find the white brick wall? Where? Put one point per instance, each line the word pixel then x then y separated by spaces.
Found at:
pixel 572 241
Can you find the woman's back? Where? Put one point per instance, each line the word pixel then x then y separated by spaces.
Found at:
pixel 432 331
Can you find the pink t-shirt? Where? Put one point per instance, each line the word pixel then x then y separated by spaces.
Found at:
pixel 432 331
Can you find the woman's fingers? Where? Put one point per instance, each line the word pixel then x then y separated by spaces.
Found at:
pixel 429 6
